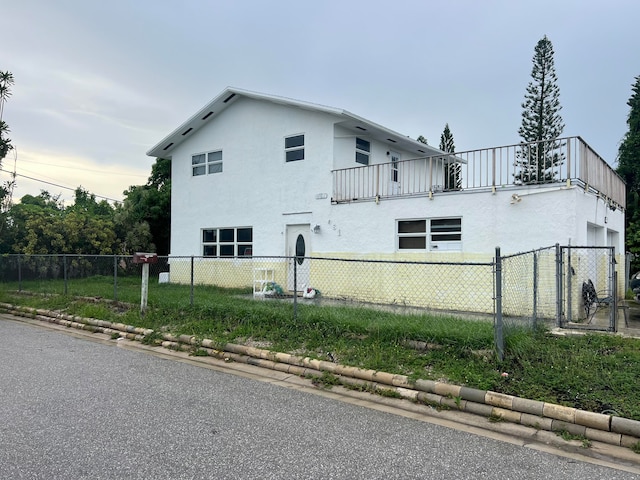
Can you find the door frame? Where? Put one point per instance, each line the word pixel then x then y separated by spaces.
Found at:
pixel 303 263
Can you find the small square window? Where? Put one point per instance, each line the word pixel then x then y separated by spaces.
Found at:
pixel 363 149
pixel 215 167
pixel 209 235
pixel 294 148
pixel 245 234
pixel 208 163
pixel 296 141
pixel 209 250
pixel 227 235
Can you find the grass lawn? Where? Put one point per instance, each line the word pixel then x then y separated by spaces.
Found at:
pixel 596 372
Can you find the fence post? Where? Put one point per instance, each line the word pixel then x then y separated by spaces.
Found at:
pixel 569 297
pixel 115 278
pixel 295 289
pixel 613 314
pixel 535 289
pixel 498 331
pixel 191 294
pixel 19 273
pixel 558 286
pixel 64 268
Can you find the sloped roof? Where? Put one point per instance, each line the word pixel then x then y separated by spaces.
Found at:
pixel 358 125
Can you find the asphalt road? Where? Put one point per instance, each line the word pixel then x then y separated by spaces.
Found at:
pixel 73 408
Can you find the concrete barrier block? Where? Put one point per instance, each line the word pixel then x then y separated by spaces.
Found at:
pixel 401 381
pixel 453 404
pixel 296 370
pixel 429 398
pixel 445 389
pixel 478 409
pixel 473 394
pixel 572 428
pixel 559 412
pixel 525 405
pixel 407 393
pixel 499 400
pixel 382 377
pixel 593 420
pixel 506 414
pixel 628 441
pixel 425 385
pixel 535 421
pixel 625 426
pixel 602 436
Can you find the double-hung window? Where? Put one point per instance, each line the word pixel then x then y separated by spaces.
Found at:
pixel 363 150
pixel 294 148
pixel 435 234
pixel 227 242
pixel 206 163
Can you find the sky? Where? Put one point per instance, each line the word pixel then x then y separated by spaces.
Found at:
pixel 97 84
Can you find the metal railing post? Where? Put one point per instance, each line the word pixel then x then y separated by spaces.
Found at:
pixel 498 327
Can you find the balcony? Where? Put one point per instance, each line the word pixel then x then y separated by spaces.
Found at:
pixel 568 161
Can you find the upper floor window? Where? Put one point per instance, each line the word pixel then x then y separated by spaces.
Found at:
pixel 227 242
pixel 206 163
pixel 294 148
pixel 435 234
pixel 363 150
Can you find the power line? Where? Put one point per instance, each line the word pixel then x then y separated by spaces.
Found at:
pixel 56 185
pixel 83 169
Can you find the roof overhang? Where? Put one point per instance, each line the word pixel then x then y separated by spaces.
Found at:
pixel 358 125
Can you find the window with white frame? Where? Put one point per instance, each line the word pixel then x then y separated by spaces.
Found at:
pixel 294 148
pixel 227 242
pixel 363 150
pixel 206 163
pixel 435 234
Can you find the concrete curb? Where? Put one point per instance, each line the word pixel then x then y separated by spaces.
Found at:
pixel 541 416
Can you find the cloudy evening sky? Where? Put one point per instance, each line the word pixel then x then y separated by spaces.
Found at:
pixel 99 83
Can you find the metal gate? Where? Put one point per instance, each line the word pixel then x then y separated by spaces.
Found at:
pixel 587 289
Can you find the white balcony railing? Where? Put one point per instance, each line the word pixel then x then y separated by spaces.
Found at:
pixel 565 160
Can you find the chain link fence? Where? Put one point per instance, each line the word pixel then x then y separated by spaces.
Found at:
pixel 546 286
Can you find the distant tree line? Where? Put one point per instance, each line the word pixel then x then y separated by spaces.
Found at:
pixel 41 224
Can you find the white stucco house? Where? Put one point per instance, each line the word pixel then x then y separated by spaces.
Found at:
pixel 260 175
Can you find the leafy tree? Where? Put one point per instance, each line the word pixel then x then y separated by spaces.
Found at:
pixel 541 121
pixel 422 139
pixel 27 222
pixel 6 82
pixel 143 221
pixel 453 180
pixel 629 170
pixel 6 189
pixel 41 225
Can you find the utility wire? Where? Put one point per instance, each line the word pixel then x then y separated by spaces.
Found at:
pixel 56 185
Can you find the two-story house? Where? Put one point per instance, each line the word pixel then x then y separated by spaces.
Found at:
pixel 262 175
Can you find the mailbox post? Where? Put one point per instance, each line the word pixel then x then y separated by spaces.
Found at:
pixel 144 259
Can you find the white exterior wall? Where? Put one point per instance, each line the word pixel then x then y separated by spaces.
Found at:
pixel 258 189
pixel 542 218
pixel 256 185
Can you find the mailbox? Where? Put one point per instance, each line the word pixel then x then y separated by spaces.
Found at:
pixel 140 257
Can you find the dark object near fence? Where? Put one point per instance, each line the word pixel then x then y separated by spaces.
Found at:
pixel 592 301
